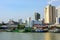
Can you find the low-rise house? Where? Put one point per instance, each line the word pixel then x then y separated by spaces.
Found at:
pixel 4 27
pixel 40 28
pixel 13 25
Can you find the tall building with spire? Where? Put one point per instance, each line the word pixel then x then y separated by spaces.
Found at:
pixel 50 14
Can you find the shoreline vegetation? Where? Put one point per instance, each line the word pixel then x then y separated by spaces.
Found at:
pixel 24 31
pixel 34 29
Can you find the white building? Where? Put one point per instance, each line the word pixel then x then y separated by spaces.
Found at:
pixel 33 22
pixel 26 23
pixel 58 11
pixel 58 15
pixel 20 21
pixel 30 22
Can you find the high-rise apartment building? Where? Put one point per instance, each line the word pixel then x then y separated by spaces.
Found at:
pixel 37 16
pixel 29 21
pixel 58 15
pixel 50 14
pixel 58 11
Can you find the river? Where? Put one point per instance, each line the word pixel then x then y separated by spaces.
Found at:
pixel 28 36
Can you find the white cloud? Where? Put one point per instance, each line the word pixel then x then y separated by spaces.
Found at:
pixel 51 1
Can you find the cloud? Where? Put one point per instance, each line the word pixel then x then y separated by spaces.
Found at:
pixel 51 1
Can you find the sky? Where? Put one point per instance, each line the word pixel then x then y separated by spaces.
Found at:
pixel 17 9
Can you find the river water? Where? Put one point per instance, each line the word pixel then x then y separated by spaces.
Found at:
pixel 27 36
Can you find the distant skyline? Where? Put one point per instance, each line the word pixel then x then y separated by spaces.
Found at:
pixel 16 9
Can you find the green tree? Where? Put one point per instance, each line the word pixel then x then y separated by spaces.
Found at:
pixel 28 29
pixel 21 26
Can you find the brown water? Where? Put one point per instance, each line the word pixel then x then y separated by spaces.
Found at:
pixel 28 36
